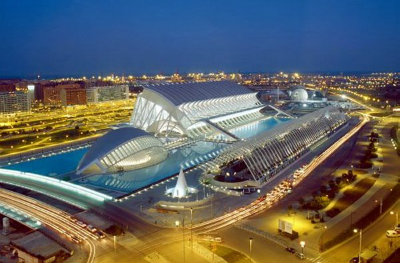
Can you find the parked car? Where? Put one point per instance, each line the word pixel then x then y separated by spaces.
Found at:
pixel 392 233
pixel 300 255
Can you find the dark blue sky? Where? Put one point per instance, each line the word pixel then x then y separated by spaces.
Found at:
pixel 87 37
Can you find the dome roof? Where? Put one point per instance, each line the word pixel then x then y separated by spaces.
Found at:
pixel 299 95
pixel 112 140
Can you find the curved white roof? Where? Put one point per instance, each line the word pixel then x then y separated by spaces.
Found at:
pixel 173 108
pixel 109 142
pixel 179 93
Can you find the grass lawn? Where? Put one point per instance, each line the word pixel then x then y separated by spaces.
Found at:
pixel 350 196
pixel 381 114
pixel 228 254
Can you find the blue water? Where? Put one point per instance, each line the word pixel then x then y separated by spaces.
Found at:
pixel 53 166
pixel 125 182
pixel 132 180
pixel 254 128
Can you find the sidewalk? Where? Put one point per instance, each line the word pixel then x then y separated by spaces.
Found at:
pixel 372 197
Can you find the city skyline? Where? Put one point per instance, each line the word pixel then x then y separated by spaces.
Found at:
pixel 89 38
pixel 199 131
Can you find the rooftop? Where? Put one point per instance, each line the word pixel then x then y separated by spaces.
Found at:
pixel 179 93
pixel 109 141
pixel 38 245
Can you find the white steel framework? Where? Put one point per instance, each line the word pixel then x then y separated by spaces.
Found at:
pixel 268 152
pixel 179 108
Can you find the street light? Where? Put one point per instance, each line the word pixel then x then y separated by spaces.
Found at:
pixel 355 230
pixel 302 244
pixel 397 217
pixel 191 226
pixel 250 244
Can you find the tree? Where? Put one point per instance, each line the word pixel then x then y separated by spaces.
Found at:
pixel 114 230
pixel 338 180
pixel 323 189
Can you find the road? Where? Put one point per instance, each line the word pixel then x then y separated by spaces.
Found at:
pixel 348 249
pixel 53 218
pixel 260 205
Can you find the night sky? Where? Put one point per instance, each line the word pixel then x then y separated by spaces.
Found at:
pixel 87 37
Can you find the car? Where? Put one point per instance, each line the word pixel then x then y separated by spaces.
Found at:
pixel 300 255
pixel 76 240
pixel 211 238
pixel 100 234
pixel 81 224
pixel 392 233
pixel 291 250
pixel 91 228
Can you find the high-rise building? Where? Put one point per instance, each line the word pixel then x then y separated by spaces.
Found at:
pixel 73 96
pixel 52 93
pixel 107 93
pixel 15 101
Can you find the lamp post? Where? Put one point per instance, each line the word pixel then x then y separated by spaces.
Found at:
pixel 177 223
pixel 183 239
pixel 355 230
pixel 191 226
pixel 115 243
pixel 250 244
pixel 302 244
pixel 397 217
pixel 321 240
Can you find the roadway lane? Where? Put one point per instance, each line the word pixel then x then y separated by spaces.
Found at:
pixel 51 217
pixel 348 249
pixel 260 205
pixel 263 250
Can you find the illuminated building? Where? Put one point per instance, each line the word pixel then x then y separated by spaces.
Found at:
pixel 193 109
pixel 299 95
pixel 73 96
pixel 16 101
pixel 107 93
pixel 123 149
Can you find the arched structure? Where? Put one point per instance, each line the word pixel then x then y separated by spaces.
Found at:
pixel 178 108
pixel 122 149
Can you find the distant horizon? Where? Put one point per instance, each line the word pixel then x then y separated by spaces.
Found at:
pixel 88 76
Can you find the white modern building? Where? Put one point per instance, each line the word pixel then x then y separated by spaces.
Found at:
pixel 122 149
pixel 299 95
pixel 193 109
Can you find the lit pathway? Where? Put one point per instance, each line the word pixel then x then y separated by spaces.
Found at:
pixel 51 217
pixel 260 205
